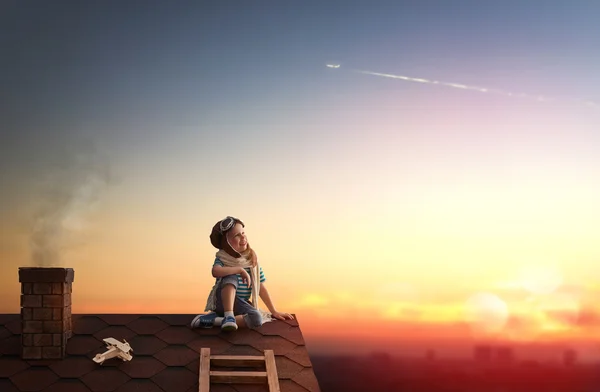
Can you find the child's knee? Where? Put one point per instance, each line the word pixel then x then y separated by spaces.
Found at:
pixel 229 279
pixel 254 319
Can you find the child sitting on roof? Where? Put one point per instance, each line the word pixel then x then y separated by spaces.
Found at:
pixel 239 277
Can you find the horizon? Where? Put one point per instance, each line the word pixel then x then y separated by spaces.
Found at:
pixel 459 345
pixel 426 169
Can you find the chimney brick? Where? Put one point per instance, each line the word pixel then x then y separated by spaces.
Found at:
pixel 42 313
pixel 42 288
pixel 58 288
pixel 57 339
pixel 32 326
pixel 31 301
pixel 42 340
pixel 32 353
pixel 67 299
pixel 52 352
pixel 26 314
pixel 27 339
pixel 45 311
pixel 57 313
pixel 54 326
pixel 53 301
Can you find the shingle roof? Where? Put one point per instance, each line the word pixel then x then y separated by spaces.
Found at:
pixel 166 355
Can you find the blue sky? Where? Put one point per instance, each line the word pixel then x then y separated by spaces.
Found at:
pixel 137 76
pixel 110 62
pixel 203 109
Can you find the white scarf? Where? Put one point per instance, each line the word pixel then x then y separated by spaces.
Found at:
pixel 230 261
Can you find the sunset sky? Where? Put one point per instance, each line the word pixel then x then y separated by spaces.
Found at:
pixel 421 209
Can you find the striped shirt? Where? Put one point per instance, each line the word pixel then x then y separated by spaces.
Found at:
pixel 243 291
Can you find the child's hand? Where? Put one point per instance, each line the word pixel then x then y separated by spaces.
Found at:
pixel 282 316
pixel 246 277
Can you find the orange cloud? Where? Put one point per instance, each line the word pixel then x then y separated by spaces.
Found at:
pixel 588 318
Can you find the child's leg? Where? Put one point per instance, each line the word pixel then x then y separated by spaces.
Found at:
pixel 226 294
pixel 224 307
pixel 246 315
pixel 240 321
pixel 225 298
pixel 239 318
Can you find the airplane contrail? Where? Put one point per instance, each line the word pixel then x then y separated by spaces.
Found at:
pixel 455 85
pixel 540 98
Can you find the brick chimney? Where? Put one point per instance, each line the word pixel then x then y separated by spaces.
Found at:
pixel 45 311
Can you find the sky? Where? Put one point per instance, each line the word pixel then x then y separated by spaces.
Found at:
pixel 442 182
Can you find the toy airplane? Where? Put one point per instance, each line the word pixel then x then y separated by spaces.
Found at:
pixel 115 349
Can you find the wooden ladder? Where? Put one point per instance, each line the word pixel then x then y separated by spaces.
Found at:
pixel 269 376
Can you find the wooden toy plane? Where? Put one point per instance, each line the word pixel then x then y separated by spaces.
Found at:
pixel 115 349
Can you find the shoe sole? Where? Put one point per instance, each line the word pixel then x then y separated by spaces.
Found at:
pixel 196 323
pixel 229 328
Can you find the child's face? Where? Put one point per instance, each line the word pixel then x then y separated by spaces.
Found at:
pixel 237 238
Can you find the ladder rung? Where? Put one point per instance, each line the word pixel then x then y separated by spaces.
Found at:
pixel 237 360
pixel 208 376
pixel 238 377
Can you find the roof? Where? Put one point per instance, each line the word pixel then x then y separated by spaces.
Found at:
pixel 166 355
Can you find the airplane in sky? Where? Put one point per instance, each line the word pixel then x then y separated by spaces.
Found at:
pixel 333 65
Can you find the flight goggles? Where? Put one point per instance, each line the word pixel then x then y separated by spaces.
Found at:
pixel 227 223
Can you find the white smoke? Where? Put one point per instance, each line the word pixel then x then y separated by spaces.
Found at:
pixel 69 191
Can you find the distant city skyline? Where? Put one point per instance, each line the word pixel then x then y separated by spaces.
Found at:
pixel 379 372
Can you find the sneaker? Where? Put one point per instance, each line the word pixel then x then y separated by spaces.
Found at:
pixel 204 320
pixel 229 324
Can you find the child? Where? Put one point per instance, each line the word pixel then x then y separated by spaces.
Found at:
pixel 239 278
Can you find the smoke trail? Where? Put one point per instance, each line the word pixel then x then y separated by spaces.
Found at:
pixel 539 98
pixel 70 191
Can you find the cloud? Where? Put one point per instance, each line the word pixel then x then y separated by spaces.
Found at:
pixel 332 304
pixel 512 312
pixel 413 314
pixel 563 316
pixel 588 318
pixel 313 300
pixel 486 313
pixel 573 289
pixel 398 292
pixel 394 305
pixel 516 322
pixel 399 311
